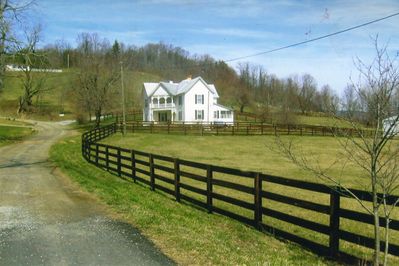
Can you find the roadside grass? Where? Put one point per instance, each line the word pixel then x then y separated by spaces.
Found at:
pixel 259 153
pixel 188 235
pixel 10 134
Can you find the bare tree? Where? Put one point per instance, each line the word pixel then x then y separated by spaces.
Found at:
pixel 373 150
pixel 31 61
pixel 242 94
pixel 307 93
pixel 10 12
pixel 96 82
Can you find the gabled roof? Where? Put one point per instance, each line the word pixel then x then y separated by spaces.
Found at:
pixel 178 88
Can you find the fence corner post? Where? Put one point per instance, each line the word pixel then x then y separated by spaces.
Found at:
pixel 177 179
pixel 258 200
pixel 334 222
pixel 209 188
pixel 119 162
pixel 97 154
pixel 133 158
pixel 107 158
pixel 152 177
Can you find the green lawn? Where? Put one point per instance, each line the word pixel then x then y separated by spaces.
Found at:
pixel 185 233
pixel 259 153
pixel 252 153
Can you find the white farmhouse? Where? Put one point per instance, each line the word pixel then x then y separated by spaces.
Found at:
pixel 189 101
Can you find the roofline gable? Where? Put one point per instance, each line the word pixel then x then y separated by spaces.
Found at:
pixel 199 79
pixel 160 85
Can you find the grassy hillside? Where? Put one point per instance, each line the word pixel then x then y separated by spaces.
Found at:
pixel 58 97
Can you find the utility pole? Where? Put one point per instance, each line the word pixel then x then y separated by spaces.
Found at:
pixel 123 101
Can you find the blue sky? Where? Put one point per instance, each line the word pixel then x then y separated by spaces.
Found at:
pixel 228 29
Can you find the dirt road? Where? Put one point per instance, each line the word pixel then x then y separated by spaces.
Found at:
pixel 45 220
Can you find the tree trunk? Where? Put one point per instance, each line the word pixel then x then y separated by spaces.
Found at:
pixel 98 118
pixel 242 108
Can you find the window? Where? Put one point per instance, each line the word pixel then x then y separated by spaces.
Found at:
pixel 199 99
pixel 199 114
pixel 155 101
pixel 216 114
pixel 180 100
pixel 180 116
pixel 225 114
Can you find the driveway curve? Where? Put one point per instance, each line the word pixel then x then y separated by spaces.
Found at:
pixel 45 220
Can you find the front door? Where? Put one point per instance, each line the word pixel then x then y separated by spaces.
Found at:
pixel 162 117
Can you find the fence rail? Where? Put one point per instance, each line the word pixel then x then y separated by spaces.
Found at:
pixel 239 128
pixel 200 184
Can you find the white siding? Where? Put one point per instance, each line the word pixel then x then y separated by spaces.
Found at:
pixel 189 103
pixel 160 92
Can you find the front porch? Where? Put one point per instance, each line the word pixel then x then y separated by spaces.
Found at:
pixel 163 116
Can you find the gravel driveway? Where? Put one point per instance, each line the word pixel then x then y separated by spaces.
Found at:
pixel 45 220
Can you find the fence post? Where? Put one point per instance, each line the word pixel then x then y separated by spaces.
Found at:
pixel 177 179
pixel 106 158
pixel 258 201
pixel 209 188
pixel 96 154
pixel 151 127
pixel 89 151
pixel 119 162
pixel 152 178
pixel 133 158
pixel 261 128
pixel 334 222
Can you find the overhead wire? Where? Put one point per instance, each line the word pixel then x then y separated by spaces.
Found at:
pixel 314 39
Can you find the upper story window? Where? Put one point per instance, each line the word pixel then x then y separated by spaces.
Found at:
pixel 180 100
pixel 199 99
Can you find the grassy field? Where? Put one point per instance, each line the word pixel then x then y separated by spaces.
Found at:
pixel 258 153
pixel 251 153
pixel 186 234
pixel 13 131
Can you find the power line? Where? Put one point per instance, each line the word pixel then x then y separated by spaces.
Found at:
pixel 314 39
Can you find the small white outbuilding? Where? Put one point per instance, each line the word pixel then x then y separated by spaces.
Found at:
pixel 391 123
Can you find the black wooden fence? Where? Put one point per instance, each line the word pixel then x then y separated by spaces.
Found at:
pixel 253 202
pixel 239 128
